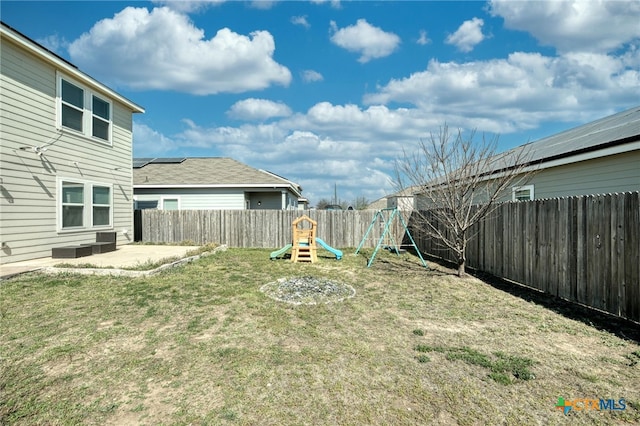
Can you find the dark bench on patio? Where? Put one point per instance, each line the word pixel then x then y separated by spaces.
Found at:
pixel 71 252
pixel 105 242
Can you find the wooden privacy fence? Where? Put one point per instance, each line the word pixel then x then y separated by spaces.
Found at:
pixel 258 228
pixel 583 249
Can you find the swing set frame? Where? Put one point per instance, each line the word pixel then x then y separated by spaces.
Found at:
pixel 387 216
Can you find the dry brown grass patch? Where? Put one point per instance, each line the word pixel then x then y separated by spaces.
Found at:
pixel 202 344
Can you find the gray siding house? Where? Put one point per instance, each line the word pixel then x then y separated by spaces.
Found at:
pixel 403 200
pixel 65 153
pixel 599 157
pixel 209 183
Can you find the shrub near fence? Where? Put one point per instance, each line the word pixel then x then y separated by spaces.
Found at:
pixel 582 249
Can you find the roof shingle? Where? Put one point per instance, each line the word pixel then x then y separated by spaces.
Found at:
pixel 202 171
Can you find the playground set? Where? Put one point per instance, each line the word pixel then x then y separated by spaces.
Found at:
pixel 304 249
pixel 385 218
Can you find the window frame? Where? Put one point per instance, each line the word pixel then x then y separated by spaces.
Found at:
pixel 141 204
pixel 88 114
pixel 64 204
pixel 169 198
pixel 100 205
pixel 87 205
pixel 529 188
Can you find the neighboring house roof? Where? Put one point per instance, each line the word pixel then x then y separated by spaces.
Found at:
pixel 204 172
pixel 614 134
pixel 62 64
pixel 381 203
pixel 618 130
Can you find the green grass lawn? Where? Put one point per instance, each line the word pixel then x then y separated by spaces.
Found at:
pixel 201 344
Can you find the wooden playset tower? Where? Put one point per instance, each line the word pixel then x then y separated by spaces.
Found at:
pixel 304 240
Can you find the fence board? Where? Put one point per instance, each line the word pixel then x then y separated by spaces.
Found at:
pixel 594 242
pixel 572 249
pixel 631 255
pixel 605 274
pixel 617 254
pixel 581 252
pixel 562 258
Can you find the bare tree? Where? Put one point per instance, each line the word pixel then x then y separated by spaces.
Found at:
pixel 360 203
pixel 323 203
pixel 458 182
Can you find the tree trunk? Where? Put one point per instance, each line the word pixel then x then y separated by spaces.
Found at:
pixel 462 260
pixel 462 254
pixel 461 268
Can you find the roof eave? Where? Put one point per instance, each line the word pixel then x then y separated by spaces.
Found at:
pixel 217 185
pixel 33 47
pixel 604 150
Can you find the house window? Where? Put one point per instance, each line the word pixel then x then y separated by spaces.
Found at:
pixel 101 205
pixel 72 106
pixel 522 193
pixel 170 204
pixel 145 204
pixel 101 114
pixel 83 111
pixel 72 205
pixel 85 205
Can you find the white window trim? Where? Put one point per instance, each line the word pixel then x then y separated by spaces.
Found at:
pixel 169 197
pixel 87 116
pixel 522 188
pixel 87 218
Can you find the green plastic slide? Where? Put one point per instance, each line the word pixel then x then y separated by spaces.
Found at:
pixel 283 250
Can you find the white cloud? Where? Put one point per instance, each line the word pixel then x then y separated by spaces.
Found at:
pixel 354 145
pixel 340 143
pixel 505 95
pixel 371 42
pixel 310 76
pixel 300 20
pixel 574 25
pixel 312 160
pixel 162 50
pixel 321 146
pixel 468 35
pixel 423 39
pixel 188 6
pixel 343 143
pixel 150 143
pixel 631 58
pixel 55 43
pixel 263 4
pixel 377 122
pixel 258 109
pixel 336 4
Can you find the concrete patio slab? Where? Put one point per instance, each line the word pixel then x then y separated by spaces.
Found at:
pixel 125 256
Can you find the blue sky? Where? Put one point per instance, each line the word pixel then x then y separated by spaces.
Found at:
pixel 329 93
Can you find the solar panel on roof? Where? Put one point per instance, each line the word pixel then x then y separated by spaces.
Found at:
pixel 141 162
pixel 173 160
